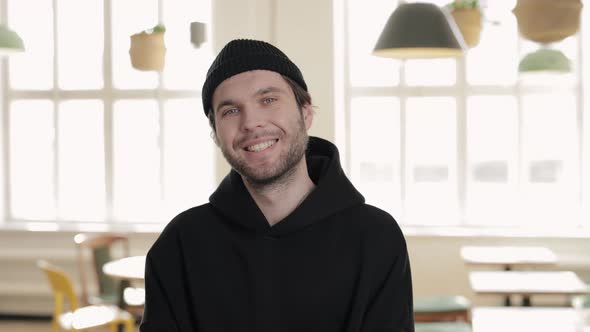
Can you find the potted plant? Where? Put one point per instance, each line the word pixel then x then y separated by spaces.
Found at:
pixel 547 21
pixel 148 50
pixel 467 15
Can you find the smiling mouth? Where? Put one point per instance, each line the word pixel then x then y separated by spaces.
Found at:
pixel 261 146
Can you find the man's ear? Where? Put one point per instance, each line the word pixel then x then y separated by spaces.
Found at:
pixel 213 125
pixel 307 113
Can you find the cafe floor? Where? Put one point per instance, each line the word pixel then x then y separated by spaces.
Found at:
pixel 32 326
pixel 22 326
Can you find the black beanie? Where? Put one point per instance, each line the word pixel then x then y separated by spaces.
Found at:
pixel 241 55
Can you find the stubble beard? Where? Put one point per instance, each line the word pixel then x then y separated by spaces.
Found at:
pixel 274 175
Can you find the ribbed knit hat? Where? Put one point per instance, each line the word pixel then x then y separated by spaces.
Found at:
pixel 241 55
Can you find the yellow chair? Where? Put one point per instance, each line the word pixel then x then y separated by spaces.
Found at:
pixel 80 318
pixel 102 248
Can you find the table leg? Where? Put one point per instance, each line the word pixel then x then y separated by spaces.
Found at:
pixel 526 301
pixel 507 301
pixel 123 284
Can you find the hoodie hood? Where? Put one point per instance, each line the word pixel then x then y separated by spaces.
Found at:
pixel 332 194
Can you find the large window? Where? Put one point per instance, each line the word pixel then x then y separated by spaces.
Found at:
pixel 87 138
pixel 468 141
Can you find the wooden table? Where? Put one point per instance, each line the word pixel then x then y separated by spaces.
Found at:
pixel 126 270
pixel 517 319
pixel 527 283
pixel 508 256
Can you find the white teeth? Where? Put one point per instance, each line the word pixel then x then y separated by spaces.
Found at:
pixel 260 146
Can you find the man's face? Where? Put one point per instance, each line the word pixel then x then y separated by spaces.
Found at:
pixel 259 127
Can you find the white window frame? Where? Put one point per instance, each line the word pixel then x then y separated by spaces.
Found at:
pixel 108 94
pixel 460 91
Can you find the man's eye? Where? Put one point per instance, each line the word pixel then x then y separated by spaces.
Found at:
pixel 269 100
pixel 230 111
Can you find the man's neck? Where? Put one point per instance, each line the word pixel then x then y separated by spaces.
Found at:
pixel 278 200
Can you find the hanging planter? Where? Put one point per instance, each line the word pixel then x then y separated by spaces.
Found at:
pixel 548 21
pixel 467 16
pixel 469 23
pixel 148 50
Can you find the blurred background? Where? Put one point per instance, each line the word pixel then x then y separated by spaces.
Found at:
pixel 479 150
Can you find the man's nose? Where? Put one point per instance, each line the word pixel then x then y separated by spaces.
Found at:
pixel 252 118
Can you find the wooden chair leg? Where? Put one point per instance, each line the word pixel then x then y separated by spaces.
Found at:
pixel 54 325
pixel 130 325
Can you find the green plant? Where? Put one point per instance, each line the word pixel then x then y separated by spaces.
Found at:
pixel 463 4
pixel 160 28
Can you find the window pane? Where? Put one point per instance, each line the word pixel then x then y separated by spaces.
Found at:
pixel 80 44
pixel 375 151
pixel 495 37
pixel 365 24
pixel 522 160
pixel 189 152
pixel 32 69
pixel 431 196
pixel 136 161
pixel 186 66
pixel 492 157
pixel 130 17
pixel 431 72
pixel 550 174
pixel 32 160
pixel 81 160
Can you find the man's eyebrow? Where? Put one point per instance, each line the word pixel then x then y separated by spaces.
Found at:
pixel 259 92
pixel 266 90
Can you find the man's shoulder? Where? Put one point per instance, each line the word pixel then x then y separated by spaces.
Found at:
pixel 375 223
pixel 371 216
pixel 188 223
pixel 190 216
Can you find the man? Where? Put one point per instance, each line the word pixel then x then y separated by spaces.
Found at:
pixel 286 243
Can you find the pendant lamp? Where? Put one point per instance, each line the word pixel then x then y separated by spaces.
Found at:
pixel 197 33
pixel 10 42
pixel 545 60
pixel 419 30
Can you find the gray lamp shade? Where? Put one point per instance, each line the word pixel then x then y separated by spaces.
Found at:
pixel 10 42
pixel 545 60
pixel 419 30
pixel 197 33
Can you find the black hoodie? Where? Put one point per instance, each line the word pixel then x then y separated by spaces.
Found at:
pixel 333 264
